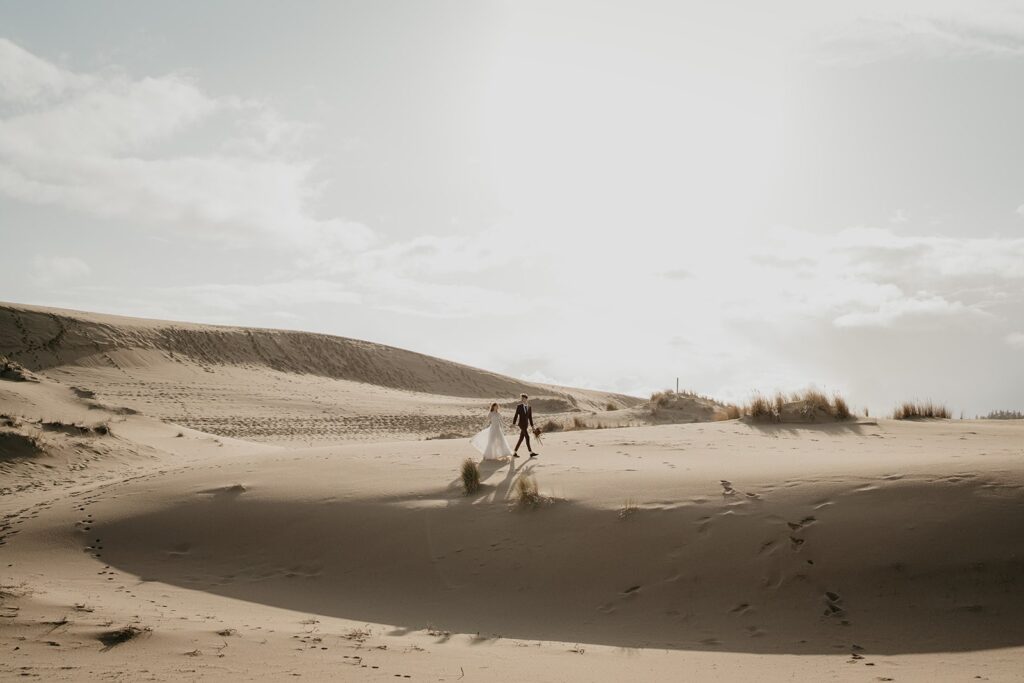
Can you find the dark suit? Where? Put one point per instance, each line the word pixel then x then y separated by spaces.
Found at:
pixel 524 418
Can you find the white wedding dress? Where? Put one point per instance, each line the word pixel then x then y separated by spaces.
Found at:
pixel 491 441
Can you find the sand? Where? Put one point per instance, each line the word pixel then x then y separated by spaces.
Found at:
pixel 870 550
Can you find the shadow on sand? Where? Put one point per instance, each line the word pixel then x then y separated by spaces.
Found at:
pixel 911 568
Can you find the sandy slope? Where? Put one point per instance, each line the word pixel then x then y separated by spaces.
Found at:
pixel 269 385
pixel 715 551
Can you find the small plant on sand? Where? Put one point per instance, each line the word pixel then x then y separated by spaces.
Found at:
pixel 445 435
pixel 811 404
pixel 628 509
pixel 999 415
pixel 610 406
pixel 470 477
pixel 551 426
pixel 840 408
pixel 579 423
pixel 913 410
pixel 760 408
pixel 727 412
pixel 527 492
pixel 814 401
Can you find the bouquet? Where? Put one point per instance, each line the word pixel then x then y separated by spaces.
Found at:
pixel 537 431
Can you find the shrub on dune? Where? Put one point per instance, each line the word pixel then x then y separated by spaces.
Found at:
pixel 841 409
pixel 470 477
pixel 916 410
pixel 551 426
pixel 760 408
pixel 809 405
pixel 814 401
pixel 527 493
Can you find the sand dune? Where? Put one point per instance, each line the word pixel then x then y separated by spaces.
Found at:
pixel 796 557
pixel 713 550
pixel 269 385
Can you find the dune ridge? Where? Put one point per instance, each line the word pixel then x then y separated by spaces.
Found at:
pixel 41 338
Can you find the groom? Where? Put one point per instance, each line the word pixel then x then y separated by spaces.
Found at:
pixel 524 418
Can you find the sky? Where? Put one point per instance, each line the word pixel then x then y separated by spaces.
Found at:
pixel 744 195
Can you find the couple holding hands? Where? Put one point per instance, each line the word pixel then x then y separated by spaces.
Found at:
pixel 491 441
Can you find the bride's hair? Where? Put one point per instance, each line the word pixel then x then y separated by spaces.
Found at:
pixel 494 406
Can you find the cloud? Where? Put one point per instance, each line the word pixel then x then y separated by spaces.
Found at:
pixel 26 78
pixel 876 277
pixel 902 309
pixel 115 146
pixel 1015 339
pixel 991 30
pixel 57 270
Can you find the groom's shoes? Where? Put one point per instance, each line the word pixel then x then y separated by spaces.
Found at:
pixel 515 455
pixel 534 455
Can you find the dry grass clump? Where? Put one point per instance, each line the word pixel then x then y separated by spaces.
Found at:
pixel 842 410
pixel 812 403
pixel 579 423
pixel 1005 415
pixel 470 477
pixel 446 435
pixel 815 400
pixel 916 410
pixel 666 397
pixel 760 408
pixel 527 493
pixel 74 429
pixel 551 426
pixel 610 406
pixel 628 509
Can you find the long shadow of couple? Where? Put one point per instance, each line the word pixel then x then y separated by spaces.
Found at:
pixel 502 488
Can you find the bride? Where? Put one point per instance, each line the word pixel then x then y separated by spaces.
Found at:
pixel 491 441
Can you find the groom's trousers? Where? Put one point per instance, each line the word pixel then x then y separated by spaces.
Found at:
pixel 524 434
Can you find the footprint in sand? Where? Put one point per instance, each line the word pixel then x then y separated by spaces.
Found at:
pixel 834 605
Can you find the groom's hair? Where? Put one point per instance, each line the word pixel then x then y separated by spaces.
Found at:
pixel 523 396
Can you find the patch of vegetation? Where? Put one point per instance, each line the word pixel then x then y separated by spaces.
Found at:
pixel 808 404
pixel 1005 415
pixel 628 509
pixel 527 493
pixel 446 435
pixel 74 429
pixel 842 410
pixel 470 476
pixel 917 410
pixel 610 406
pixel 551 426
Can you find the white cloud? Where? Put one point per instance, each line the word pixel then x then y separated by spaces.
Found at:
pixel 986 29
pixel 25 77
pixel 57 270
pixel 100 143
pixel 901 309
pixel 1015 339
